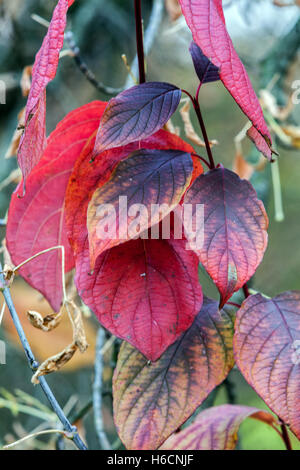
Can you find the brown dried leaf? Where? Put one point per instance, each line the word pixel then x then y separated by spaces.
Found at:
pixel 54 363
pixel 26 80
pixel 47 323
pixel 9 274
pixel 79 332
pixel 269 102
pixel 189 129
pixel 294 133
pixel 14 145
pixel 241 167
pixel 174 10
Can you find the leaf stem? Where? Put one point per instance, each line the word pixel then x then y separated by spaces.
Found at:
pixel 202 159
pixel 34 365
pixel 246 291
pixel 197 109
pixel 140 40
pixel 285 436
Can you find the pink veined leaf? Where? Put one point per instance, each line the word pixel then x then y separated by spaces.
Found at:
pixel 205 19
pixel 216 428
pixel 36 222
pixel 33 141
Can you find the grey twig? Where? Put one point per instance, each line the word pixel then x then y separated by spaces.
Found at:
pixel 150 35
pixel 85 70
pixel 98 392
pixel 67 426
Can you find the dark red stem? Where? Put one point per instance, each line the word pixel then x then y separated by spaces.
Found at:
pixel 140 40
pixel 234 304
pixel 285 436
pixel 202 159
pixel 197 109
pixel 246 291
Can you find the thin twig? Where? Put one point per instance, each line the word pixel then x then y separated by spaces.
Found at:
pixel 84 68
pixel 140 40
pixel 34 365
pixel 149 37
pixel 97 391
pixel 36 434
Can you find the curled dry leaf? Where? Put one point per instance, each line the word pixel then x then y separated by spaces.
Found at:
pixel 269 102
pixel 173 9
pixel 8 274
pixel 26 80
pixel 54 363
pixel 46 344
pixel 189 128
pixel 294 133
pixel 47 323
pixel 15 141
pixel 78 327
pixel 216 428
pixel 241 167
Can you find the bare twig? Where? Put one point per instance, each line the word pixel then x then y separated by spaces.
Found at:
pixel 36 434
pixel 97 391
pixel 84 68
pixel 34 365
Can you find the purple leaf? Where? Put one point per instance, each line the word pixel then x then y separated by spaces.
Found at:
pixel 205 69
pixel 136 114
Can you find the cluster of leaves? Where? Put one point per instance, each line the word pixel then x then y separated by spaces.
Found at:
pixel 146 291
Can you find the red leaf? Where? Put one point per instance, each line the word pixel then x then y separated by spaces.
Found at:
pixel 267 351
pixel 136 113
pixel 77 200
pixel 235 224
pixel 216 428
pixel 152 401
pixel 37 221
pixel 95 175
pixel 144 291
pixel 206 20
pixel 146 177
pixel 33 141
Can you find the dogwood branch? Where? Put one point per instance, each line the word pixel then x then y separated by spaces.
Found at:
pixel 68 428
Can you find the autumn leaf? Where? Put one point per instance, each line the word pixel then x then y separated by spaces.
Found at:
pixel 267 351
pixel 205 19
pixel 36 222
pixel 144 291
pixel 153 400
pixel 182 292
pixel 97 174
pixel 235 228
pixel 135 114
pixel 156 179
pixel 206 71
pixel 216 428
pixel 33 141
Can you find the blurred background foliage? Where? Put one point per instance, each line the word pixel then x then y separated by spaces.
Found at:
pixel 268 39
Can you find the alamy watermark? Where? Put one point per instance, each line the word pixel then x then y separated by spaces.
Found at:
pixel 131 222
